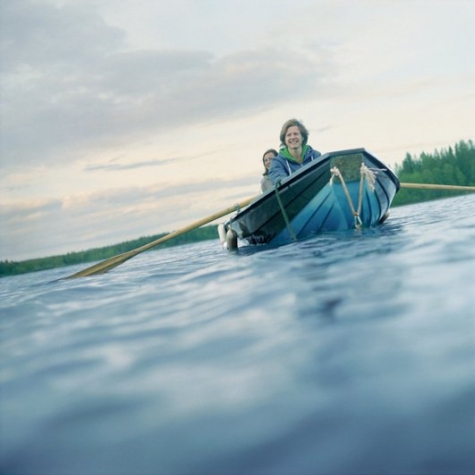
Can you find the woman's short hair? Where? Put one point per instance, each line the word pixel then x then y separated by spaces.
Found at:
pixel 301 127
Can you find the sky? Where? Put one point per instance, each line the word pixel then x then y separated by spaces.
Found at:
pixel 129 118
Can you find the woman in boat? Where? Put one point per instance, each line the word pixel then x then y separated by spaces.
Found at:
pixel 294 152
pixel 266 182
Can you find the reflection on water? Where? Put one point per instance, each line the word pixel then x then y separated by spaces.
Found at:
pixel 345 353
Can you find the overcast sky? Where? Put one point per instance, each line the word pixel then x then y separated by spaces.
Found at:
pixel 127 118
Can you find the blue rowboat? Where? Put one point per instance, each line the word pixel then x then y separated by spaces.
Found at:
pixel 338 191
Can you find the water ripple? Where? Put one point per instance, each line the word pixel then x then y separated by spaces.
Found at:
pixel 265 360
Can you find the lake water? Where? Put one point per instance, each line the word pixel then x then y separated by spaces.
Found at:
pixel 348 353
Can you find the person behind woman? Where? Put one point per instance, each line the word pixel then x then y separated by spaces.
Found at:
pixel 294 152
pixel 266 182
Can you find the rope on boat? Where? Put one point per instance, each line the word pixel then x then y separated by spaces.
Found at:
pixel 284 213
pixel 366 174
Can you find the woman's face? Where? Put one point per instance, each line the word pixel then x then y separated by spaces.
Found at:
pixel 293 137
pixel 267 159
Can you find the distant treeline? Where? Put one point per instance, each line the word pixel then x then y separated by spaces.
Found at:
pixel 452 166
pixel 8 268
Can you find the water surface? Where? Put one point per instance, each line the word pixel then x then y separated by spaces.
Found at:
pixel 349 353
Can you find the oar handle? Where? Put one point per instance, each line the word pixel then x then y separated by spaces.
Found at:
pixel 429 186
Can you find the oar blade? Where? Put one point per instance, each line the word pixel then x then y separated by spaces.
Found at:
pixel 102 267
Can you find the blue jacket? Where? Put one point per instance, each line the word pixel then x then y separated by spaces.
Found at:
pixel 282 166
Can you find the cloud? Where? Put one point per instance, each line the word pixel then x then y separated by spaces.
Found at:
pixel 71 85
pixel 99 97
pixel 128 166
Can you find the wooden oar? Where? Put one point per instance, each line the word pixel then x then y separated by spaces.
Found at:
pixel 428 186
pixel 115 261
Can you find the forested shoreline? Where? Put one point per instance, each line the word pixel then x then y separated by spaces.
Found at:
pixel 8 268
pixel 452 166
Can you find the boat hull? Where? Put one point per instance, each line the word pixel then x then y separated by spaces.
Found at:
pixel 338 191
